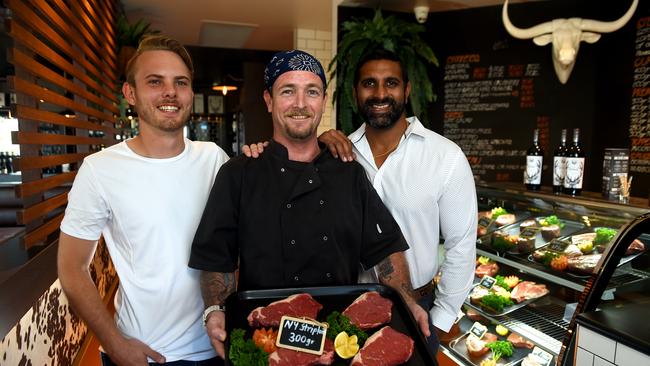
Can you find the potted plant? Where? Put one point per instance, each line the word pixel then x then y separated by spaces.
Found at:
pixel 395 35
pixel 128 38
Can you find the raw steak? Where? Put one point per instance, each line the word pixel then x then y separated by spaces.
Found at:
pixel 527 290
pixel 299 305
pixel 489 269
pixel 369 310
pixel 519 342
pixel 637 246
pixel 387 347
pixel 283 356
pixel 583 264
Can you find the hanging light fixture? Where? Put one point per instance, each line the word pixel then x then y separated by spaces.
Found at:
pixel 224 88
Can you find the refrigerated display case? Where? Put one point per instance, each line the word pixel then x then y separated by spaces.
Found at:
pixel 611 327
pixel 546 322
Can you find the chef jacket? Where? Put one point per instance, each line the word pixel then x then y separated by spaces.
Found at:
pixel 293 224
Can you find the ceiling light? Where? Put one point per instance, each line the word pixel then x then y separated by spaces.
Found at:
pixel 223 88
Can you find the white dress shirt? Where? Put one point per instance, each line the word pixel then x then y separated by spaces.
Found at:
pixel 428 186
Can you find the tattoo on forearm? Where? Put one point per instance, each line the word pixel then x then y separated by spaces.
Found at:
pixel 385 269
pixel 216 286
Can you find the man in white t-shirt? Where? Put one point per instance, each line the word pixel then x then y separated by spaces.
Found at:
pixel 146 196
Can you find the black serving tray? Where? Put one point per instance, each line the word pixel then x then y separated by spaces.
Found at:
pixel 333 298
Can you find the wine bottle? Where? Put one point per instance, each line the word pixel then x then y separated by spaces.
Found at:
pixel 534 161
pixel 559 164
pixel 575 166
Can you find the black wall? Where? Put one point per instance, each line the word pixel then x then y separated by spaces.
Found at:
pixel 596 98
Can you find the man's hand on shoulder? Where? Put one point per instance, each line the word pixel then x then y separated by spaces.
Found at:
pixel 338 144
pixel 132 352
pixel 254 150
pixel 216 328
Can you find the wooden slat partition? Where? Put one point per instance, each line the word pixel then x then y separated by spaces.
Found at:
pixel 34 162
pixel 31 114
pixel 45 184
pixel 38 210
pixel 40 233
pixel 64 56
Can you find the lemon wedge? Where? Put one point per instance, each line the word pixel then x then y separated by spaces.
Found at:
pixel 501 330
pixel 346 346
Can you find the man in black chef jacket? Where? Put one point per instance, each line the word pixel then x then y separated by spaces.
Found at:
pixel 296 216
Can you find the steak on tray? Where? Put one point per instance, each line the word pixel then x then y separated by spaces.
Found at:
pixel 369 310
pixel 287 357
pixel 387 347
pixel 297 306
pixel 527 290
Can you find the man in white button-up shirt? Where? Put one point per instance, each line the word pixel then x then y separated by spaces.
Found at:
pixel 423 178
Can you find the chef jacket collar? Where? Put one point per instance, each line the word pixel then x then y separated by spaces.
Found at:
pixel 281 151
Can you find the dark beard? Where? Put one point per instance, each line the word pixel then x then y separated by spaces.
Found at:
pixel 384 120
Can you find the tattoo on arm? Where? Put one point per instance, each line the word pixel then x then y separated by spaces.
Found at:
pixel 216 286
pixel 385 269
pixel 393 271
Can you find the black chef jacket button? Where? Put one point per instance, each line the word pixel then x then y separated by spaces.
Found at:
pixel 296 278
pixel 322 202
pixel 328 275
pixel 325 238
pixel 293 242
pixel 316 169
pixel 288 205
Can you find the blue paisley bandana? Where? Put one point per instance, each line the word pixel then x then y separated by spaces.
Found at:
pixel 294 60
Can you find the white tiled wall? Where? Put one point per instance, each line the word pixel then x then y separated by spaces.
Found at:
pixel 595 349
pixel 319 44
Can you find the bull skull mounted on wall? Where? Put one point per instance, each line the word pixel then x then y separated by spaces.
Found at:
pixel 566 35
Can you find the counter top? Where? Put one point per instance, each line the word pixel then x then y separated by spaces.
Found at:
pixel 588 196
pixel 626 325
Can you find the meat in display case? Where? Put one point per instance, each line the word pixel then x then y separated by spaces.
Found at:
pixel 541 262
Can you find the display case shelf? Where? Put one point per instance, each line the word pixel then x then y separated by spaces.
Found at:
pixel 547 322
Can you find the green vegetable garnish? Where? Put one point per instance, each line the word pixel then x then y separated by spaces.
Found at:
pixel 604 235
pixel 548 257
pixel 501 282
pixel 500 348
pixel 340 323
pixel 551 220
pixel 495 302
pixel 243 352
pixel 502 243
pixel 498 211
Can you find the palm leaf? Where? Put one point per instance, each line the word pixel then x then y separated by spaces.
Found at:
pixel 360 36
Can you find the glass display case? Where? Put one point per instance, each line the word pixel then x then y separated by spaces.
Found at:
pixel 548 252
pixel 611 325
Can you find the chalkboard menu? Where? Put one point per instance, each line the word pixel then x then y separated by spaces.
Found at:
pixel 640 104
pixel 476 93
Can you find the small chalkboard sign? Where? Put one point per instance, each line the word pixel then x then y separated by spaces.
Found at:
pixel 485 222
pixel 529 232
pixel 487 282
pixel 558 246
pixel 301 335
pixel 542 357
pixel 478 330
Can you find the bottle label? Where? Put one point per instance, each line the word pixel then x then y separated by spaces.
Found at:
pixel 575 168
pixel 533 173
pixel 559 170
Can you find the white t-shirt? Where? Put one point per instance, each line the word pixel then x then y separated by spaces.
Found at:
pixel 148 211
pixel 428 186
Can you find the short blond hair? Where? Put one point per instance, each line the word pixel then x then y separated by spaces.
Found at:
pixel 158 43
